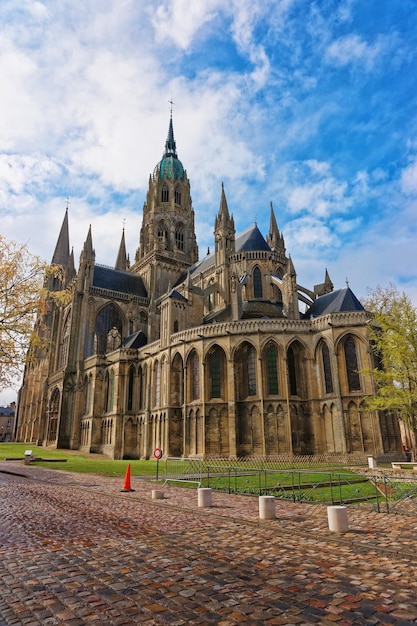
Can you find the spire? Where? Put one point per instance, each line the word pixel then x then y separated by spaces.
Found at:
pixel 223 210
pixel 88 245
pixel 121 261
pixel 170 146
pixel 62 250
pixel 223 217
pixel 327 282
pixel 273 228
pixel 275 240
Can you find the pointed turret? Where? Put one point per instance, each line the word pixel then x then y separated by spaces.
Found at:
pixel 323 288
pixel 121 261
pixel 88 251
pixel 62 248
pixel 223 216
pixel 224 231
pixel 275 239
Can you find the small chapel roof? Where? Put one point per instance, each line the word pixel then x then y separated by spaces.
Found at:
pixel 339 301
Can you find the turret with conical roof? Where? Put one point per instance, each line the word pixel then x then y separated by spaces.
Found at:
pixel 62 249
pixel 224 231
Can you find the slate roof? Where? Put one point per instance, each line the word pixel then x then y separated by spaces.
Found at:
pixel 176 295
pixel 118 280
pixel 137 340
pixel 339 301
pixel 251 239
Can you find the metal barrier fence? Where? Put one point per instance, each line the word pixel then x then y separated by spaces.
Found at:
pixel 384 493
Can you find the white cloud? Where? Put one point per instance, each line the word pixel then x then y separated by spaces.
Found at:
pixel 352 49
pixel 409 179
pixel 179 21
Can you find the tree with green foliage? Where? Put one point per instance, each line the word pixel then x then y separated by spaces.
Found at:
pixel 394 337
pixel 24 298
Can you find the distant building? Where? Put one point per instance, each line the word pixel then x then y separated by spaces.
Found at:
pixel 209 357
pixel 7 420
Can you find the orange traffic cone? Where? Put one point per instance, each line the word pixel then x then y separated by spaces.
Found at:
pixel 126 484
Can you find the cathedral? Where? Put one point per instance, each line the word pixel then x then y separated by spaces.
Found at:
pixel 222 356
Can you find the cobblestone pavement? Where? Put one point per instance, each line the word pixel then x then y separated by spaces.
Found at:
pixel 74 550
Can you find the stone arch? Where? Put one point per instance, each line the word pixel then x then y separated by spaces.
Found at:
pixel 328 428
pixel 324 361
pixel 355 442
pixel 177 195
pixel 300 430
pixel 257 282
pixel 367 428
pixel 53 415
pixel 296 369
pixel 130 395
pixel 65 339
pixel 108 318
pixel 193 376
pixel 176 395
pixel 162 235
pixel 179 237
pixel 216 373
pixel 245 369
pixel 276 440
pixel 270 368
pixel 249 432
pixel 131 439
pixel 164 193
pixel 109 390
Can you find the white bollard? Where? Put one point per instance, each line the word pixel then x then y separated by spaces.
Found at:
pixel 204 496
pixel 337 518
pixel 372 462
pixel 157 495
pixel 266 507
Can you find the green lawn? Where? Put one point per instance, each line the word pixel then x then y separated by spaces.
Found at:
pixel 75 462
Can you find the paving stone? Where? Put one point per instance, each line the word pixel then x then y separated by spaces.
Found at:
pixel 91 555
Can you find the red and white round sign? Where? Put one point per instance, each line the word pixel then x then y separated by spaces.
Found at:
pixel 157 453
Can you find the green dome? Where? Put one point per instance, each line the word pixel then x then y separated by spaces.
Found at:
pixel 170 167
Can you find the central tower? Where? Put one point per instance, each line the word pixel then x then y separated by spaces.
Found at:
pixel 167 245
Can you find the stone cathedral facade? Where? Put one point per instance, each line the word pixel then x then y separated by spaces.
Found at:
pixel 209 357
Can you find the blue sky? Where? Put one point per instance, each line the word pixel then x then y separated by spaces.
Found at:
pixel 310 105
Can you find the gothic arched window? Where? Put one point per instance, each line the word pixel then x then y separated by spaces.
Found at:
pixel 272 369
pixel 327 369
pixel 163 235
pixel 164 193
pixel 257 283
pixel 65 342
pixel 177 194
pixel 195 376
pixel 292 371
pixel 157 383
pixel 351 360
pixel 130 389
pixel 109 386
pixel 179 238
pixel 215 371
pixel 251 371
